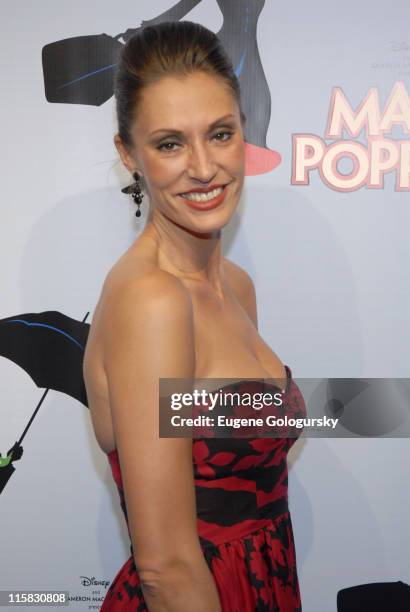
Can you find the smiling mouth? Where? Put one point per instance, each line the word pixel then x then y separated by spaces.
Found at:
pixel 203 197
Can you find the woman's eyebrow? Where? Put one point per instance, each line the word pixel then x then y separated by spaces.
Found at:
pixel 211 125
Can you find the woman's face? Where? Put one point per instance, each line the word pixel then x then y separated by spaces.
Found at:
pixel 188 136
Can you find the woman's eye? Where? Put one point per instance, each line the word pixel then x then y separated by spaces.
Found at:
pixel 169 146
pixel 162 146
pixel 225 133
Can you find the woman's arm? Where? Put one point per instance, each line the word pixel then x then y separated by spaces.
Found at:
pixel 148 334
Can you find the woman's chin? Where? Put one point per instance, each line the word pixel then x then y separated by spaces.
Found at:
pixel 214 222
pixel 198 220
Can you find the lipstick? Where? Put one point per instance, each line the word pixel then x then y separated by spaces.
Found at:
pixel 206 205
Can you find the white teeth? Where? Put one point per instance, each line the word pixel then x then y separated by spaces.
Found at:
pixel 203 197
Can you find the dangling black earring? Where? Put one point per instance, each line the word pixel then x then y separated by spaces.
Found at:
pixel 135 191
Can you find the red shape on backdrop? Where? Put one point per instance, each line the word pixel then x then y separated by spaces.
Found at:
pixel 259 160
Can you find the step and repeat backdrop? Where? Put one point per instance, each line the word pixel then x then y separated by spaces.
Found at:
pixel 322 227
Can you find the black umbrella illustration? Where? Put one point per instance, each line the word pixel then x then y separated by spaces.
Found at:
pixel 49 346
pixel 80 70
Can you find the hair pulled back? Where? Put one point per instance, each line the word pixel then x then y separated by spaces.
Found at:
pixel 168 48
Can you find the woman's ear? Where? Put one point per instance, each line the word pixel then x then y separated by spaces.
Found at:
pixel 124 153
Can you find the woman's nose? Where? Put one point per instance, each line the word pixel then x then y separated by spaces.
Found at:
pixel 201 163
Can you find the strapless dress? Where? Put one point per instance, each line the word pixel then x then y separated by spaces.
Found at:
pixel 243 519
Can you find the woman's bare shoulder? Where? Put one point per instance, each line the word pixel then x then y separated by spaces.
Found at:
pixel 237 275
pixel 139 278
pixel 242 285
pixel 136 292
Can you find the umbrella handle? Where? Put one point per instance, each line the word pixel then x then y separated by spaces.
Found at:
pixel 39 404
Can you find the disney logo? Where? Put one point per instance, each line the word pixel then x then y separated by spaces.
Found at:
pixel 85 581
pixel 400 46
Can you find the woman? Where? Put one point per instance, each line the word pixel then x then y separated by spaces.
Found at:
pixel 208 519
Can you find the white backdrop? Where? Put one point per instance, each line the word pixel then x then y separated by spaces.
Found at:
pixel 330 269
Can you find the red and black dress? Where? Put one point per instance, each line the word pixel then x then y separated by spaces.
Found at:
pixel 243 519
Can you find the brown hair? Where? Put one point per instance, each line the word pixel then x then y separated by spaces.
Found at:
pixel 170 47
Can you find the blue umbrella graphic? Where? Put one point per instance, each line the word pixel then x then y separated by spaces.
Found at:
pixel 49 346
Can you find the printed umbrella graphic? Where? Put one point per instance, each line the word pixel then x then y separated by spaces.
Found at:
pixel 49 346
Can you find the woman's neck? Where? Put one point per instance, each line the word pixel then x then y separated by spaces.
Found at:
pixel 190 256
